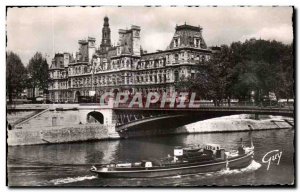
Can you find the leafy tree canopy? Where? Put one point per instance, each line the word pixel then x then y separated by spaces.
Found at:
pixel 16 75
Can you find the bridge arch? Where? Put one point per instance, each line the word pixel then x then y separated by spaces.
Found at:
pixel 151 118
pixel 94 117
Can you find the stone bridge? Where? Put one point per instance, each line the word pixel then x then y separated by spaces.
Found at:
pixel 124 121
pixel 131 119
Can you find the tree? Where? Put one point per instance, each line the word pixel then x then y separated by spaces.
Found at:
pixel 238 70
pixel 285 86
pixel 247 80
pixel 15 75
pixel 38 73
pixel 262 66
pixel 220 75
pixel 212 79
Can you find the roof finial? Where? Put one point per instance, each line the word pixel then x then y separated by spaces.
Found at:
pixel 106 18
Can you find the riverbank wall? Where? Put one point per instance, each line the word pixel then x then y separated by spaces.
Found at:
pixel 236 123
pixel 75 133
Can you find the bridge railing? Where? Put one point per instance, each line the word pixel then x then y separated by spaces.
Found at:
pixel 201 104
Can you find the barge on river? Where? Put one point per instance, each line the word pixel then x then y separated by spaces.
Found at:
pixel 191 160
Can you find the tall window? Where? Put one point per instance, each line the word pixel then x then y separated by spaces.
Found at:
pixel 176 58
pixel 192 75
pixel 176 75
pixel 175 42
pixel 197 42
pixel 190 39
pixel 203 58
pixel 54 121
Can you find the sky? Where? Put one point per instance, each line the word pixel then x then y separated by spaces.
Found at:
pixel 57 29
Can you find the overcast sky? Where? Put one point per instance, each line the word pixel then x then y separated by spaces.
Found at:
pixel 58 29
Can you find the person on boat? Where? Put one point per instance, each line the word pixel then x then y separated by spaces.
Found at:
pixel 241 149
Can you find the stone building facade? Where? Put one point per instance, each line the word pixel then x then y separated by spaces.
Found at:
pixel 126 67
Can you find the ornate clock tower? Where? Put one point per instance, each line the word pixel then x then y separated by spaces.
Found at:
pixel 106 42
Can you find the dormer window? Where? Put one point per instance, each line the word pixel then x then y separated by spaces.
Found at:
pixel 190 40
pixel 176 42
pixel 197 43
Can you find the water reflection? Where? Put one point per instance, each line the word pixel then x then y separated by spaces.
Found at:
pixel 58 163
pixel 60 154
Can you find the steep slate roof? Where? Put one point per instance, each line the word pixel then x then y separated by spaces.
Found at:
pixel 154 55
pixel 112 52
pixel 185 33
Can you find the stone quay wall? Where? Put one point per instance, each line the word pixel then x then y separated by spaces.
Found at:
pixel 236 123
pixel 74 133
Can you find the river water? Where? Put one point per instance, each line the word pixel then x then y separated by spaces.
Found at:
pixel 69 164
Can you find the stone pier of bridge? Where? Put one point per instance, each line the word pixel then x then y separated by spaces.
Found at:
pixel 60 123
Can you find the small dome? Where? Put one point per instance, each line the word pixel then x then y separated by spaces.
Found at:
pixel 105 18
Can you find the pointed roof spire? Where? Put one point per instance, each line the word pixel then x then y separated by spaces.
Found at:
pixel 106 21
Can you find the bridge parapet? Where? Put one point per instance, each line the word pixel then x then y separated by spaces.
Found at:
pixel 127 117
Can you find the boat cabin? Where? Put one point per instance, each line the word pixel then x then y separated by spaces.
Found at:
pixel 216 150
pixel 178 151
pixel 146 164
pixel 212 147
